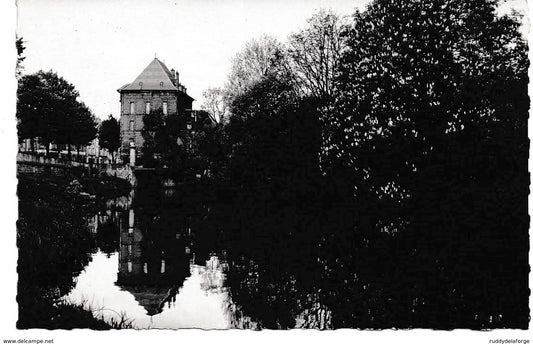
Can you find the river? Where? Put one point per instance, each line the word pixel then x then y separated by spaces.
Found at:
pixel 226 257
pixel 163 260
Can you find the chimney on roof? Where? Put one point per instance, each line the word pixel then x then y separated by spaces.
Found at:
pixel 174 79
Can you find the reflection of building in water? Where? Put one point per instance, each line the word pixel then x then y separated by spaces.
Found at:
pixel 152 261
pixel 130 254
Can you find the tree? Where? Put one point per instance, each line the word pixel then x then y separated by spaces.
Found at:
pixel 165 140
pixel 45 101
pixel 184 147
pixel 20 49
pixel 252 63
pixel 84 126
pixel 212 148
pixel 215 104
pixel 109 135
pixel 30 121
pixel 151 132
pixel 314 55
pixel 273 135
pixel 431 122
pixel 314 58
pixel 48 108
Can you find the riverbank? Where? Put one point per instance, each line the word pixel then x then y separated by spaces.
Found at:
pixel 55 245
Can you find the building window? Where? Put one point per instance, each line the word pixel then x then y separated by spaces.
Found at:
pixel 165 108
pixel 132 108
pixel 147 108
pixel 132 124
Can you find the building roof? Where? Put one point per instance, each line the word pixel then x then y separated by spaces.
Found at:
pixel 155 77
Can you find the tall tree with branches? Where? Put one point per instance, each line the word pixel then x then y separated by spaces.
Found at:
pixel 431 121
pixel 45 102
pixel 259 58
pixel 215 104
pixel 48 108
pixel 314 54
pixel 109 135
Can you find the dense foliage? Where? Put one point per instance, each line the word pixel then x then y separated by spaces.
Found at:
pixel 184 146
pixel 55 242
pixel 48 108
pixel 109 135
pixel 54 246
pixel 418 118
pixel 431 119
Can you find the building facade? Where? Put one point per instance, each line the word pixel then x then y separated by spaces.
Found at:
pixel 155 88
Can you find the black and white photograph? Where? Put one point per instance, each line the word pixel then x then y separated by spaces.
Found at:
pixel 267 167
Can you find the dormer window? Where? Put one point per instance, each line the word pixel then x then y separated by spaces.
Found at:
pixel 140 84
pixel 161 84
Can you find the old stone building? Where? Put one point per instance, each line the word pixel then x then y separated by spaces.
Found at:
pixel 156 87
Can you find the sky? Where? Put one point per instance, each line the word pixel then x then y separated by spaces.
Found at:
pixel 98 45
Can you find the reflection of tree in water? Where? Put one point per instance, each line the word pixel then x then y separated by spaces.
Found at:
pixel 54 247
pixel 274 296
pixel 318 260
pixel 304 265
pixel 106 227
pixel 266 253
pixel 273 275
